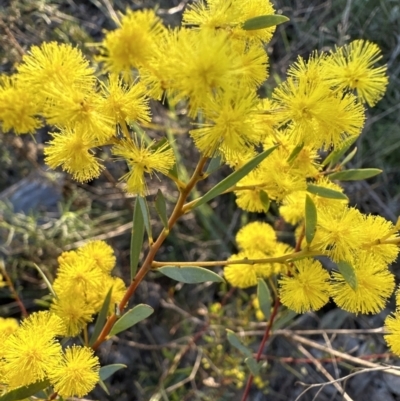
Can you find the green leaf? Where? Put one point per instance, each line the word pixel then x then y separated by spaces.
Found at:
pixel 284 319
pixel 101 318
pixel 104 387
pixel 136 238
pixel 349 157
pixel 235 341
pixel 161 207
pixel 235 177
pixel 264 198
pixel 348 273
pixel 253 365
pixel 214 165
pixel 190 274
pixel 325 192
pixel 146 216
pixel 334 156
pixel 311 219
pixel 355 174
pixel 131 317
pixel 108 370
pixel 21 393
pixel 295 153
pixel 45 279
pixel 264 298
pixel 264 21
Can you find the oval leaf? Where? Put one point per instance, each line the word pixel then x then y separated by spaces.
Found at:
pixel 349 157
pixel 161 207
pixel 132 317
pixel 348 273
pixel 234 340
pixel 253 365
pixel 264 298
pixel 214 165
pixel 264 21
pixel 101 318
pixel 311 219
pixel 295 153
pixel 190 274
pixel 108 370
pixel 355 174
pixel 136 238
pixel 264 198
pixel 21 393
pixel 234 178
pixel 146 216
pixel 325 192
pixel 334 156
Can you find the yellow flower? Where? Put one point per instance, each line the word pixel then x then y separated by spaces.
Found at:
pixel 73 309
pixel 82 110
pixel 311 70
pixel 230 128
pixel 256 236
pixel 71 149
pixel 132 44
pixel 8 326
pixel 246 275
pixel 377 228
pixel 351 67
pixel 230 15
pixel 81 274
pixel 140 160
pixel 375 284
pixel 118 291
pixel 28 354
pixel 392 324
pixel 293 205
pixel 76 374
pixel 339 235
pixel 125 102
pixel 204 63
pixel 319 117
pixel 307 288
pixel 250 199
pixel 54 65
pixel 101 253
pixel 49 323
pixel 19 108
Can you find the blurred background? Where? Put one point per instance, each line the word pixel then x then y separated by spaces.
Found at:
pixel 181 352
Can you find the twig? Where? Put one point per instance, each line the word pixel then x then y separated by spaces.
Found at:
pixel 190 377
pixel 310 386
pixel 13 291
pixel 341 355
pixel 321 369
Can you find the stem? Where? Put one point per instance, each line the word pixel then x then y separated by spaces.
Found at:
pixel 278 259
pixel 13 291
pixel 147 264
pixel 261 347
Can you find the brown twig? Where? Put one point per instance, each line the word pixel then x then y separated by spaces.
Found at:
pixel 146 266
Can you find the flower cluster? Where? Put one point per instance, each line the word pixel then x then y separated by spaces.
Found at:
pixel 32 352
pixel 82 283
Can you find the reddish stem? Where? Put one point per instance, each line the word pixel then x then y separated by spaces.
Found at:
pixel 14 293
pixel 261 347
